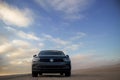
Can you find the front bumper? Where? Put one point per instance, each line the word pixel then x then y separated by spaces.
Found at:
pixel 51 67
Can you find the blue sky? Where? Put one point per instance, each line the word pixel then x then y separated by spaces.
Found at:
pixel 87 30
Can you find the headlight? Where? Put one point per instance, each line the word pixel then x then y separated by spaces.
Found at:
pixel 36 59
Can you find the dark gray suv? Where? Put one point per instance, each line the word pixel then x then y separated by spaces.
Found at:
pixel 51 61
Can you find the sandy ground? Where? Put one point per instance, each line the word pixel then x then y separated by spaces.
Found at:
pixel 106 73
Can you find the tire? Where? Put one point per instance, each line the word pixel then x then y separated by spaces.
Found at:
pixel 67 74
pixel 34 74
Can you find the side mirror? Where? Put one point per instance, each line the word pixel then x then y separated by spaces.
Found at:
pixel 35 55
pixel 67 56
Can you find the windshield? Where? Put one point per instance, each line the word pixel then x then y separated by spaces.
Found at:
pixel 51 53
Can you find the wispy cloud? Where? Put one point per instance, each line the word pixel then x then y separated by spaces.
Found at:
pixel 41 45
pixel 70 9
pixel 73 47
pixel 21 43
pixel 63 44
pixel 22 34
pixel 78 36
pixel 5 47
pixel 14 16
pixel 14 46
pixel 55 40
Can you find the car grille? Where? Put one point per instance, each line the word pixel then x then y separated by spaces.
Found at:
pixel 51 67
pixel 48 60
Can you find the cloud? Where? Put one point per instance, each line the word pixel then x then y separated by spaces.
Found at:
pixel 71 9
pixel 78 36
pixel 41 45
pixel 16 53
pixel 64 44
pixel 24 61
pixel 12 15
pixel 21 43
pixel 27 35
pixel 22 34
pixel 14 46
pixel 55 40
pixel 73 47
pixel 5 48
pixel 3 38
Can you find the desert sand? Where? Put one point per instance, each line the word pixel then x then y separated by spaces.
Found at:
pixel 101 73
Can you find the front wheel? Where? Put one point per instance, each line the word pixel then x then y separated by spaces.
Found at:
pixel 34 74
pixel 68 73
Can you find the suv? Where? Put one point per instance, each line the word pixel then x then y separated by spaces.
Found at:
pixel 51 61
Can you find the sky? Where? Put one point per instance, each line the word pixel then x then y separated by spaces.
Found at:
pixel 87 30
